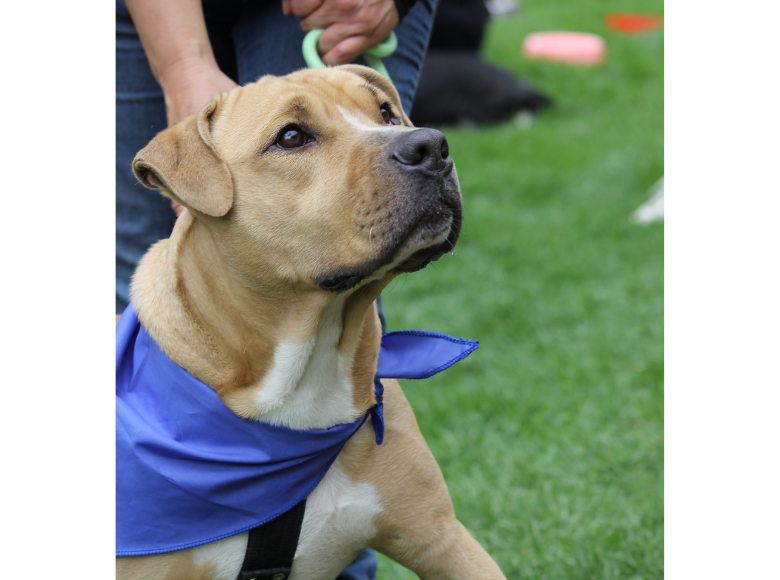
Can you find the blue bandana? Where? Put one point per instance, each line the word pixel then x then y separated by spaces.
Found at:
pixel 190 471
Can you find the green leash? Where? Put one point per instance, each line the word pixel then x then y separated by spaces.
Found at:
pixel 372 55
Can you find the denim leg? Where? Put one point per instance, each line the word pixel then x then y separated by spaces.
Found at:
pixel 143 216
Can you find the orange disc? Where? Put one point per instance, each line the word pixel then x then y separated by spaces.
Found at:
pixel 633 23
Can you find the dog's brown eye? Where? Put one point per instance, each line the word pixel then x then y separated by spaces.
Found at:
pixel 387 115
pixel 291 137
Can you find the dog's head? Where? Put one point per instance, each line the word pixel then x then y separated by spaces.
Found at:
pixel 317 178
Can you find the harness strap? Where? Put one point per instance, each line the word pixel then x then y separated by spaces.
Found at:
pixel 271 546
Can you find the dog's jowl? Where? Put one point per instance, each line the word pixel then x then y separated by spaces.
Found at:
pixel 254 386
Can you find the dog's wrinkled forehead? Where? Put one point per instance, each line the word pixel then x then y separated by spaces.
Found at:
pixel 315 99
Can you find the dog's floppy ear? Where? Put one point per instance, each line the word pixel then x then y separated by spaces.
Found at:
pixel 183 162
pixel 380 81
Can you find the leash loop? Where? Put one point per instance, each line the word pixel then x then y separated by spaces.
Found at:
pixel 372 55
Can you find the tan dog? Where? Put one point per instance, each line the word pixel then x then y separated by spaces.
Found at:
pixel 305 195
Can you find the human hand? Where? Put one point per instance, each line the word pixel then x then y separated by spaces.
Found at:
pixel 189 85
pixel 351 26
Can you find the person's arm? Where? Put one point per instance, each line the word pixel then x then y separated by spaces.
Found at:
pixel 174 36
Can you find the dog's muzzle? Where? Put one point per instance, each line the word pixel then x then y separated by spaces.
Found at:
pixel 422 204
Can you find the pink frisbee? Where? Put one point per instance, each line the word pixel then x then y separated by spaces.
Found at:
pixel 571 47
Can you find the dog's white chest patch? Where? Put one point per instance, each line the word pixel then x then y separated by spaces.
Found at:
pixel 289 365
pixel 307 386
pixel 337 524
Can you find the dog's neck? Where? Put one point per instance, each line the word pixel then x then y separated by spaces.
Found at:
pixel 299 358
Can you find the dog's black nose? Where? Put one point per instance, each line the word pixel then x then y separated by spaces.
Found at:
pixel 422 149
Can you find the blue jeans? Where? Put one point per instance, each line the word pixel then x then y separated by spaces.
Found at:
pixel 249 40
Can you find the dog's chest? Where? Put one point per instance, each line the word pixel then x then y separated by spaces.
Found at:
pixel 307 386
pixel 337 524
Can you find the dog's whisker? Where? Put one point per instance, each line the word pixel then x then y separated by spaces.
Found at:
pixel 369 234
pixel 247 346
pixel 395 283
pixel 353 237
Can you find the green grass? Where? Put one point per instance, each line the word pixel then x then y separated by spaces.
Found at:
pixel 550 436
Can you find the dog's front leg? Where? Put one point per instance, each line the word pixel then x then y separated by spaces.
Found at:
pixel 416 525
pixel 443 553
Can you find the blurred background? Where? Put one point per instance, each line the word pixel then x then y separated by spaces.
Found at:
pixel 550 436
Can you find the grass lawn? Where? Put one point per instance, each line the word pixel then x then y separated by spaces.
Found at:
pixel 550 436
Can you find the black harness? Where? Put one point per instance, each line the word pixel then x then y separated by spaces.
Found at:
pixel 271 547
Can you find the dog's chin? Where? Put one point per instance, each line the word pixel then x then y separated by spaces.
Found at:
pixel 436 234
